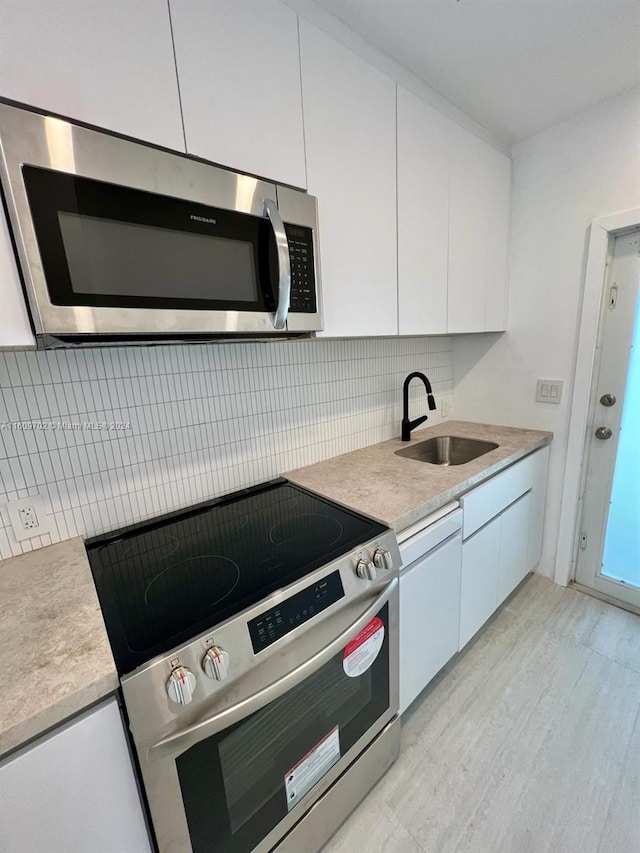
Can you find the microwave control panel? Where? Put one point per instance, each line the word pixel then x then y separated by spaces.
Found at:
pixel 295 611
pixel 303 280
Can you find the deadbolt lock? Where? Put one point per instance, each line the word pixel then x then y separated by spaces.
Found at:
pixel 603 433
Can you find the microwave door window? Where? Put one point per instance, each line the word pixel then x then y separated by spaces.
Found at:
pixel 116 247
pixel 113 258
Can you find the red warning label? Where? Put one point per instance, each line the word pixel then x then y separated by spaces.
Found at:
pixel 361 652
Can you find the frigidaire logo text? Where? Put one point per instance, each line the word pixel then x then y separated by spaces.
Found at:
pixel 202 219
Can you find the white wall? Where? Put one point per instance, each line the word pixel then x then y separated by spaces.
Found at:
pixel 583 168
pixel 202 420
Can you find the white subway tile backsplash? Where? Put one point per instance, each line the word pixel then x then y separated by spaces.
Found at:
pixel 200 421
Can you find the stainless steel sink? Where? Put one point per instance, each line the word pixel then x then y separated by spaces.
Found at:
pixel 447 450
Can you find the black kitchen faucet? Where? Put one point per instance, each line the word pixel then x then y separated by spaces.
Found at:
pixel 408 425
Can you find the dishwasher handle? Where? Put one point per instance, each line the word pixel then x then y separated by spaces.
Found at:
pixel 429 537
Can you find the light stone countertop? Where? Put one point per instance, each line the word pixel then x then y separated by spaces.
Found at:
pixel 54 649
pixel 400 492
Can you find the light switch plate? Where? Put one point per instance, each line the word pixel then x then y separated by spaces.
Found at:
pixel 28 517
pixel 549 390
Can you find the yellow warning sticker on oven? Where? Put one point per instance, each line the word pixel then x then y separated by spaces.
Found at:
pixel 303 776
pixel 365 647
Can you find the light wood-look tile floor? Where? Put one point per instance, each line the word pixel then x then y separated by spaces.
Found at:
pixel 528 742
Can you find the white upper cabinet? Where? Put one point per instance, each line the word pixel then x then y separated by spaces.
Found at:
pixel 239 72
pixel 106 64
pixel 15 329
pixel 478 235
pixel 423 216
pixel 350 134
pixel 499 217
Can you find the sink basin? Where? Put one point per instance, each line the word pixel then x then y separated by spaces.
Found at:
pixel 447 450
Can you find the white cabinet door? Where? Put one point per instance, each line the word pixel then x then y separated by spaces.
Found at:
pixel 107 64
pixel 350 138
pixel 239 72
pixel 498 229
pixel 429 617
pixel 423 216
pixel 73 792
pixel 502 529
pixel 539 465
pixel 478 235
pixel 479 596
pixel 15 329
pixel 514 546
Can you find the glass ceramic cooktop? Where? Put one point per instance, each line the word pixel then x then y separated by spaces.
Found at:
pixel 162 582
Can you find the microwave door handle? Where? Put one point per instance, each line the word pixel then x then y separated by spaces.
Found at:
pixel 284 263
pixel 175 744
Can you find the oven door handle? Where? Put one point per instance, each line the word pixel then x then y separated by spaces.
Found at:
pixel 284 263
pixel 177 743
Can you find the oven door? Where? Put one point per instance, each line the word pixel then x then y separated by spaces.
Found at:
pixel 240 780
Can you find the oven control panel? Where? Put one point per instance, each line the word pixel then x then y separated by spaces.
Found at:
pixel 295 611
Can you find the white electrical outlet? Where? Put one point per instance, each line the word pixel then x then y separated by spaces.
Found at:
pixel 549 390
pixel 28 517
pixel 445 408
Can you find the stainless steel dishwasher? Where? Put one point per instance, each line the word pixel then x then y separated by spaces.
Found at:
pixel 430 578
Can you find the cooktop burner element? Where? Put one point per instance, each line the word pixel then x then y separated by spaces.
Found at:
pixel 164 546
pixel 162 582
pixel 302 533
pixel 192 586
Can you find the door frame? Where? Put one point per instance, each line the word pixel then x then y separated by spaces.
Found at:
pixel 602 233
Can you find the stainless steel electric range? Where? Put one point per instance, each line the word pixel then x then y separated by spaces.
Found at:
pixel 256 638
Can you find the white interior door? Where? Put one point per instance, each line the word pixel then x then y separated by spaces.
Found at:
pixel 609 549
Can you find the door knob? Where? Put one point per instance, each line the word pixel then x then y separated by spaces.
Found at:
pixel 608 400
pixel 603 433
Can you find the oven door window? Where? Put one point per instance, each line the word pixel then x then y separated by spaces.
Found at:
pixel 238 785
pixel 110 246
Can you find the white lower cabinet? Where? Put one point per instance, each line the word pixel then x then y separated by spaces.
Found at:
pixel 479 592
pixel 429 617
pixel 502 537
pixel 494 561
pixel 514 545
pixel 73 791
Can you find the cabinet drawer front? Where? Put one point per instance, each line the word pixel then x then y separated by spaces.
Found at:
pixel 482 504
pixel 421 543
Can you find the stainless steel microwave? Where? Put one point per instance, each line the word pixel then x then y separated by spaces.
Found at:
pixel 117 240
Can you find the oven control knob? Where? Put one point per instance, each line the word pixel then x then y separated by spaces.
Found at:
pixel 216 663
pixel 180 685
pixel 382 559
pixel 365 569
